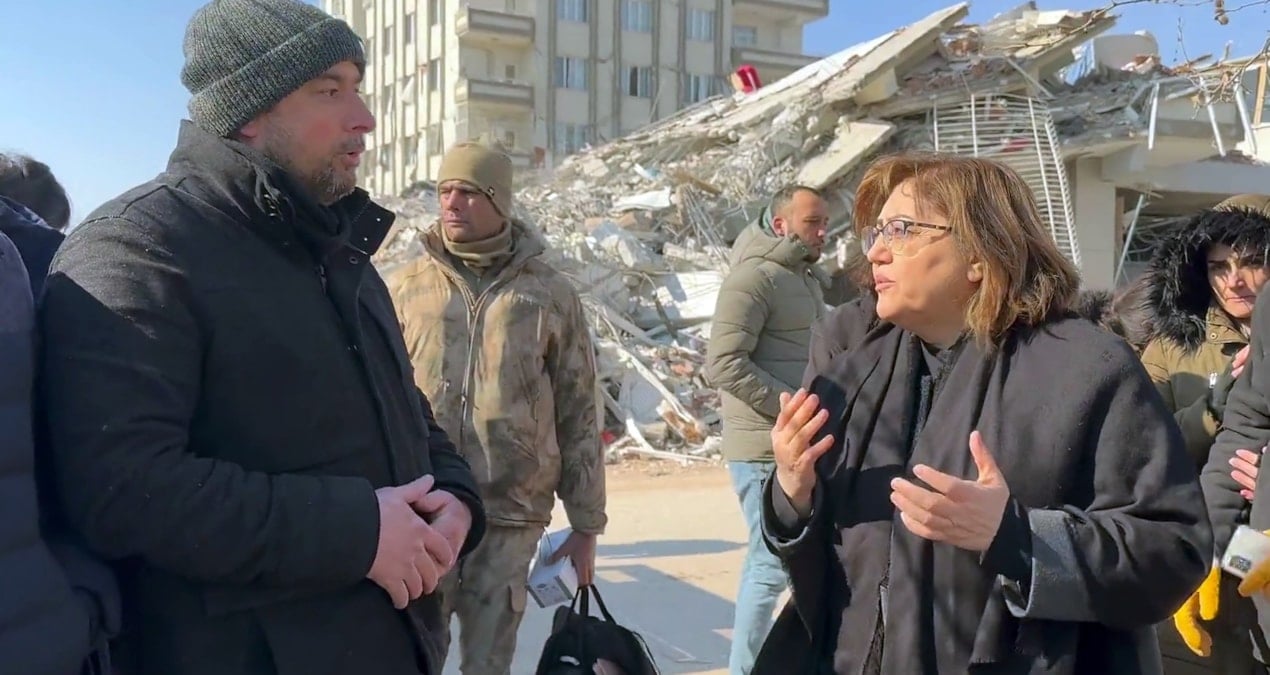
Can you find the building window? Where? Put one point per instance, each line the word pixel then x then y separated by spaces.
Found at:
pixel 571 138
pixel 388 42
pixel 698 88
pixel 385 156
pixel 571 10
pixel 637 16
pixel 509 71
pixel 638 81
pixel 412 151
pixel 744 36
pixel 408 89
pixel 434 74
pixel 390 110
pixel 410 28
pixel 434 139
pixel 701 25
pixel 369 46
pixel 434 12
pixel 571 73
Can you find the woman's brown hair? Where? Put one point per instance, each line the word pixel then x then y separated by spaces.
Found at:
pixel 994 220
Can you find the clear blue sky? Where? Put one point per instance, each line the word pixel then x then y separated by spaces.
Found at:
pixel 93 88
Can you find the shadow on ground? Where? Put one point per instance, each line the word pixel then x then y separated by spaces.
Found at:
pixel 684 626
pixel 666 548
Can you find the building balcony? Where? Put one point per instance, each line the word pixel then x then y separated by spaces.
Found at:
pixel 807 10
pixel 510 94
pixel 491 28
pixel 770 62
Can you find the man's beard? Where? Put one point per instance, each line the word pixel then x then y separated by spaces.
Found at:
pixel 327 185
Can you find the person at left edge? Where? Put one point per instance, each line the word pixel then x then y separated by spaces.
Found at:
pixel 230 405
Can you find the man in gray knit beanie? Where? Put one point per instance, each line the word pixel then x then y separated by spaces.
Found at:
pixel 245 58
pixel 228 391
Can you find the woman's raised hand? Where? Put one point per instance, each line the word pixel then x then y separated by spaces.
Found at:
pixel 800 419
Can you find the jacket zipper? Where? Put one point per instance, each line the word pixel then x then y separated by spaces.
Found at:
pixel 474 306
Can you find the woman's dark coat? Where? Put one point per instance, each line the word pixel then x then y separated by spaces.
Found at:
pixel 1098 476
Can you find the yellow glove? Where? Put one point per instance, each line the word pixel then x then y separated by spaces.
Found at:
pixel 1201 605
pixel 1257 578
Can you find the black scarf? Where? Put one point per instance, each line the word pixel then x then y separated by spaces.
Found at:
pixel 932 594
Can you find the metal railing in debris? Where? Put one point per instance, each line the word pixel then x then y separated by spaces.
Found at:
pixel 1019 132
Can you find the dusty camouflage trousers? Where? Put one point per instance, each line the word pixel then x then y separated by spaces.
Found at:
pixel 487 591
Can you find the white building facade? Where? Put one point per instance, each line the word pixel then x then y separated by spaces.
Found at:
pixel 546 77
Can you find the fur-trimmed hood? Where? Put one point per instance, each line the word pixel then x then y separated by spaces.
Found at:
pixel 1094 306
pixel 1180 294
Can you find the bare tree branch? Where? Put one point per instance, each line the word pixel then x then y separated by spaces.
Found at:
pixel 1221 12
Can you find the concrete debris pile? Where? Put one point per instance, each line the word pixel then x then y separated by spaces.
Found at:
pixel 642 224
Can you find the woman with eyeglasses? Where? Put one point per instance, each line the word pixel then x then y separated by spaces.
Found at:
pixel 974 480
pixel 1204 282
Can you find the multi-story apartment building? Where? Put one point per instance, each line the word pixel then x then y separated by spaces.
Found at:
pixel 546 77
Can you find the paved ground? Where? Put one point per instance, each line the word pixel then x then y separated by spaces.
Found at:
pixel 668 567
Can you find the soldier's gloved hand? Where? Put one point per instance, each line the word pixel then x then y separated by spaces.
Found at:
pixel 1257 579
pixel 1201 605
pixel 1220 392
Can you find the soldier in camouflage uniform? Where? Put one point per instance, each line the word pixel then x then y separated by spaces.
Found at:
pixel 501 347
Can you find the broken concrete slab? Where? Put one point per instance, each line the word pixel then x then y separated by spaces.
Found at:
pixel 653 200
pixel 853 143
pixel 627 248
pixel 685 299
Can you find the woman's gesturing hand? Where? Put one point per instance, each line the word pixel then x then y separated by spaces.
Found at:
pixel 964 513
pixel 797 424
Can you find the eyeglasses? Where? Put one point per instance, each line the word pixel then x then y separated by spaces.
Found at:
pixel 898 235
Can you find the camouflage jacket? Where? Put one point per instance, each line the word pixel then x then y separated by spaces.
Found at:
pixel 511 377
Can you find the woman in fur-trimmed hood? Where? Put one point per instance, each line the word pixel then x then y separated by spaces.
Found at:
pixel 1203 283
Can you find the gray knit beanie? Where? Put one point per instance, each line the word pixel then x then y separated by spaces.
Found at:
pixel 243 56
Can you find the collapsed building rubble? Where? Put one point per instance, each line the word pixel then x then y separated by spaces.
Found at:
pixel 642 224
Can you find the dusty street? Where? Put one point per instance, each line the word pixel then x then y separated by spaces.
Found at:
pixel 668 566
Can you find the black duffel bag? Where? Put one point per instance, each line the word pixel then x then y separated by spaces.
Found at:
pixel 580 641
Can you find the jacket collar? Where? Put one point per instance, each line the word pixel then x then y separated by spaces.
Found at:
pixel 14 215
pixel 1222 329
pixel 237 179
pixel 755 242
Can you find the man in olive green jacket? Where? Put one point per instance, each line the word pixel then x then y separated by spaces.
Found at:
pixel 758 349
pixel 501 346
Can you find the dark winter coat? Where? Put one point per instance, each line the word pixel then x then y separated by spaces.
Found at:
pixel 45 627
pixel 36 241
pixel 226 386
pixel 1102 494
pixel 1246 425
